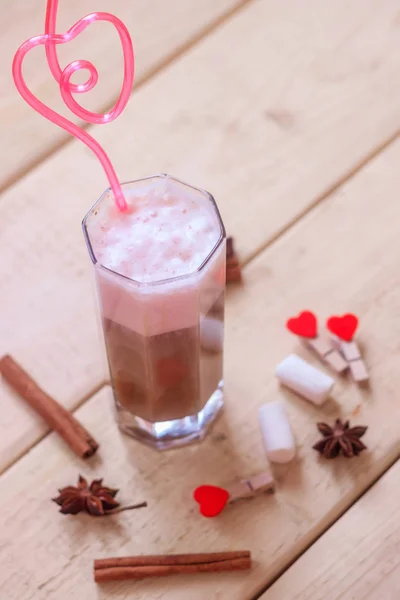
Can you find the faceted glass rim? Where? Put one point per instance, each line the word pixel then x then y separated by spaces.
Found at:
pixel 222 234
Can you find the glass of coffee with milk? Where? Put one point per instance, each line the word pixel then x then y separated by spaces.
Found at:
pixel 160 274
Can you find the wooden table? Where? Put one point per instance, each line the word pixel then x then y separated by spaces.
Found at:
pixel 289 114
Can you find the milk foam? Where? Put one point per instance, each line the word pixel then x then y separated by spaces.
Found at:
pixel 165 234
pixel 161 237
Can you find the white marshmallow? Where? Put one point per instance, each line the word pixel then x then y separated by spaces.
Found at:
pixel 304 379
pixel 277 435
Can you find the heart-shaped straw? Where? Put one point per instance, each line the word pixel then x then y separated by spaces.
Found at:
pixel 63 76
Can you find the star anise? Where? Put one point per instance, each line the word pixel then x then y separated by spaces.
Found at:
pixel 96 499
pixel 340 439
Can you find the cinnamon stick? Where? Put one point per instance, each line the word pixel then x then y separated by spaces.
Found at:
pixel 233 270
pixel 168 559
pixel 233 273
pixel 55 415
pixel 139 567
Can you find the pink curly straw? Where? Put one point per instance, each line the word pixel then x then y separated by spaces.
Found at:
pixel 63 77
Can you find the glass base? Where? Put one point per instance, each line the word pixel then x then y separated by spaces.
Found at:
pixel 172 434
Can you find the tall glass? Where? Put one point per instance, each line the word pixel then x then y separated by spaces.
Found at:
pixel 163 336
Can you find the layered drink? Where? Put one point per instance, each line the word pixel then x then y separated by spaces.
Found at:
pixel 160 271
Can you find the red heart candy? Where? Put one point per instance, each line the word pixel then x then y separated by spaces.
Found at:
pixel 344 327
pixel 212 499
pixel 305 324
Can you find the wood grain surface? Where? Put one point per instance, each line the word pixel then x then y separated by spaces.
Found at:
pixel 158 35
pixel 290 118
pixel 44 552
pixel 367 566
pixel 331 89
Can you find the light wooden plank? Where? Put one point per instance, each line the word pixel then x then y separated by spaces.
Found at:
pixel 203 120
pixel 158 32
pixel 358 558
pixel 44 554
pixel 364 276
pixel 343 256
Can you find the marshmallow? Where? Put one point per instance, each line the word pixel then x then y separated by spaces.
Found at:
pixel 304 379
pixel 276 432
pixel 212 334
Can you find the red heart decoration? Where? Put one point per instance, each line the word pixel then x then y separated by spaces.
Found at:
pixel 305 324
pixel 212 499
pixel 344 327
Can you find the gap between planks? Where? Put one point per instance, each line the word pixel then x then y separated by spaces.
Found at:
pixel 164 63
pixel 280 233
pixel 324 196
pixel 392 461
